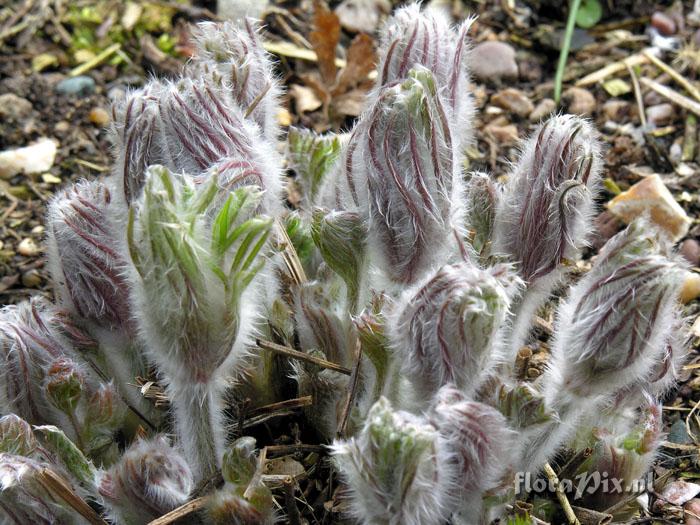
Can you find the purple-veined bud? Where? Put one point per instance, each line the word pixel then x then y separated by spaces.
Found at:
pixel 191 126
pixel 411 38
pixel 16 436
pixel 475 445
pixel 64 384
pixel 401 167
pixel 341 237
pixel 236 54
pixel 150 480
pixel 86 264
pixel 392 469
pixel 25 497
pixel 616 324
pixel 444 330
pixel 313 158
pixel 482 198
pixel 196 264
pixel 545 211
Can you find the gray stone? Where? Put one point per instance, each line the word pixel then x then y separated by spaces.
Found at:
pixel 80 86
pixel 493 61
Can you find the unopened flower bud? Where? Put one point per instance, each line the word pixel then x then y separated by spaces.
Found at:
pixel 401 167
pixel 150 479
pixel 341 238
pixel 86 264
pixel 64 452
pixel 475 443
pixel 228 506
pixel 236 54
pixel 482 197
pixel 445 329
pixel 616 323
pixel 239 463
pixel 16 436
pixel 411 38
pixel 64 384
pixel 392 471
pixel 545 212
pixel 312 157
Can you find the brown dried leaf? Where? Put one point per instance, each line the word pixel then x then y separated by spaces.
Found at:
pixel 324 39
pixel 361 61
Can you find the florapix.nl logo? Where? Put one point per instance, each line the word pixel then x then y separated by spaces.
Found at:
pixel 582 484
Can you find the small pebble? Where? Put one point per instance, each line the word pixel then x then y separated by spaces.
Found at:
pixel 615 109
pixel 361 15
pixel 35 158
pixel 505 134
pixel 543 109
pixel 99 117
pixel 14 108
pixel 660 114
pixel 493 61
pixel 27 247
pixel 61 127
pixel 690 250
pixel 514 101
pixel 81 86
pixel 38 230
pixel 663 23
pixel 31 278
pixel 579 101
pixel 691 288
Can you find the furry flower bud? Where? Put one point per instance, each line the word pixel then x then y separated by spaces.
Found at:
pixel 445 329
pixel 545 212
pixel 195 262
pixel 341 238
pixel 235 53
pixel 411 38
pixel 392 470
pixel 64 384
pixel 151 479
pixel 25 498
pixel 16 436
pixel 191 126
pixel 402 151
pixel 239 463
pixel 616 323
pixel 228 507
pixel 312 157
pixel 86 264
pixel 475 443
pixel 482 197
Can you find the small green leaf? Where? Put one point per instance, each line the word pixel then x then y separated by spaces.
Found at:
pixel 589 13
pixel 68 453
pixel 617 87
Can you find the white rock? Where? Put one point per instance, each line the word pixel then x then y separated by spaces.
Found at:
pixel 35 158
pixel 27 247
pixel 651 198
pixel 239 9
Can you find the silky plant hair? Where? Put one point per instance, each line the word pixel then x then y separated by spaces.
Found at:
pixel 396 298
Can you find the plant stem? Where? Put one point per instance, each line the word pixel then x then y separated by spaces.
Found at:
pixel 566 45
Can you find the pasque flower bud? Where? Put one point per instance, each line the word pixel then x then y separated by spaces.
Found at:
pixel 235 53
pixel 86 264
pixel 444 330
pixel 616 324
pixel 392 469
pixel 341 237
pixel 64 384
pixel 151 479
pixel 482 198
pixel 16 436
pixel 544 214
pixel 475 445
pixel 195 262
pixel 411 38
pixel 313 158
pixel 402 168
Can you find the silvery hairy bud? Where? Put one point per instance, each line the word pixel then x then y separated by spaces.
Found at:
pixel 228 507
pixel 25 497
pixel 444 330
pixel 62 452
pixel 190 126
pixel 413 38
pixel 236 54
pixel 195 262
pixel 64 384
pixel 401 167
pixel 482 197
pixel 16 436
pixel 150 480
pixel 86 264
pixel 392 470
pixel 313 158
pixel 544 214
pixel 475 444
pixel 341 238
pixel 616 324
